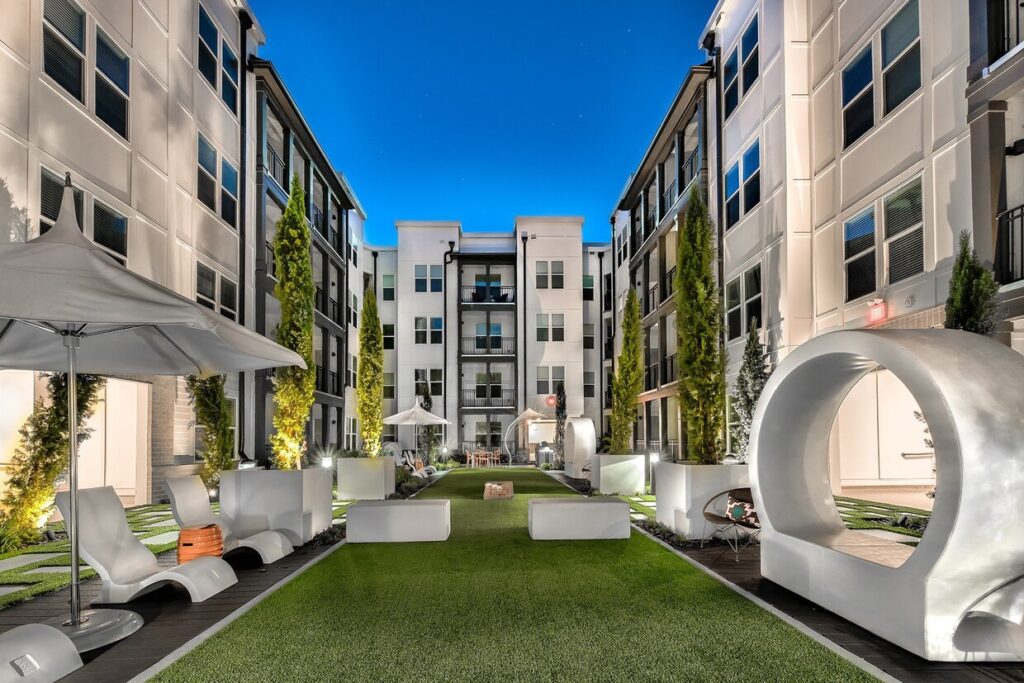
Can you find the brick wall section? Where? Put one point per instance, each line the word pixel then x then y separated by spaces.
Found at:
pixel 933 317
pixel 171 442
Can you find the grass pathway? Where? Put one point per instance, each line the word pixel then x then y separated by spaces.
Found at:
pixel 490 603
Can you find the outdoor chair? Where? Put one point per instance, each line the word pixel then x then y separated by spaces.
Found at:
pixel 126 567
pixel 37 653
pixel 740 518
pixel 191 507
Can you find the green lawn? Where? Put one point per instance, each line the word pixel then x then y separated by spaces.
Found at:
pixel 490 603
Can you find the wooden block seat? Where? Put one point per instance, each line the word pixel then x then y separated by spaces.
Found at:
pixel 578 518
pixel 398 521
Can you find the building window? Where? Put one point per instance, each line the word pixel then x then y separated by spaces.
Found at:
pixel 901 57
pixel 51 193
pixel 588 287
pixel 488 385
pixel 216 292
pixel 743 303
pixel 858 98
pixel 859 254
pixel 351 432
pixel 228 192
pixel 389 336
pixel 388 288
pixel 743 64
pixel 904 232
pixel 542 274
pixel 353 370
pixel 557 327
pixel 436 330
pixel 64 45
pixel 420 273
pixel 588 385
pixel 420 330
pixel 430 377
pixel 389 385
pixel 548 378
pixel 488 434
pixel 543 334
pixel 436 279
pixel 389 435
pixel 557 275
pixel 110 231
pixel 206 180
pixel 112 75
pixel 588 335
pixel 747 168
pixel 354 311
pixel 210 45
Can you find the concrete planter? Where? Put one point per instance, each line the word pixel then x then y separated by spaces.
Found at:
pixel 617 475
pixel 366 478
pixel 684 489
pixel 295 502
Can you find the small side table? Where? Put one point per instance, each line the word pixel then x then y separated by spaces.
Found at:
pixel 498 490
pixel 199 541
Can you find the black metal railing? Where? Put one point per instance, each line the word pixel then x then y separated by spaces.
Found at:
pixel 488 396
pixel 276 167
pixel 1004 27
pixel 488 294
pixel 609 348
pixel 690 168
pixel 318 299
pixel 271 263
pixel 321 379
pixel 668 369
pixel 651 224
pixel 651 301
pixel 635 239
pixel 1009 261
pixel 318 219
pixel 607 302
pixel 334 383
pixel 668 197
pixel 488 345
pixel 651 377
pixel 668 284
pixel 608 397
pixel 334 311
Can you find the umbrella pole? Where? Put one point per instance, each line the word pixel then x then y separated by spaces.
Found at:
pixel 71 343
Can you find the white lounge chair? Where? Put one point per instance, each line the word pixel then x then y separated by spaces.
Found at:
pixel 190 504
pixel 126 566
pixel 36 653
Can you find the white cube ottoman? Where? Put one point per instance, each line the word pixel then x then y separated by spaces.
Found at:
pixel 562 519
pixel 398 521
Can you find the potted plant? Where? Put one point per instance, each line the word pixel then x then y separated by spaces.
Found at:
pixel 685 488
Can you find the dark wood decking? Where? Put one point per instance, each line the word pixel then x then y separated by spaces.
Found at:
pixel 171 618
pixel 891 659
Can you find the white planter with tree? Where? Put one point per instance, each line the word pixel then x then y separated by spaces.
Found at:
pixel 295 502
pixel 366 478
pixel 621 472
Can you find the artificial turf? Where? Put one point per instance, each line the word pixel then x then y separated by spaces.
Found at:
pixel 491 604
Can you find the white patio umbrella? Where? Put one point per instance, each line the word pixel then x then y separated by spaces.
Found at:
pixel 66 306
pixel 417 417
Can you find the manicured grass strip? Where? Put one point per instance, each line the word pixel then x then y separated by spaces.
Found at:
pixel 637 506
pixel 492 604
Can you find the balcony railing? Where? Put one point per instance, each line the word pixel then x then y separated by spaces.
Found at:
pixel 487 345
pixel 651 377
pixel 321 378
pixel 668 284
pixel 690 168
pixel 334 311
pixel 334 383
pixel 1004 27
pixel 271 263
pixel 668 197
pixel 276 168
pixel 608 397
pixel 488 396
pixel 609 348
pixel 668 369
pixel 318 219
pixel 488 294
pixel 607 303
pixel 651 301
pixel 651 224
pixel 318 299
pixel 1010 246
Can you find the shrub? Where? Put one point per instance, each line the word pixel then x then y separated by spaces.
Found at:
pixel 370 377
pixel 214 414
pixel 971 305
pixel 629 378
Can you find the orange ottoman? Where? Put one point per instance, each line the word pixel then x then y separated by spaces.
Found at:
pixel 198 541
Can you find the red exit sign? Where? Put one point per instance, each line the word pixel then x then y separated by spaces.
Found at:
pixel 877 312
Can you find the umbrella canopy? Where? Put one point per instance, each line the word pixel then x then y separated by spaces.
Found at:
pixel 416 416
pixel 62 282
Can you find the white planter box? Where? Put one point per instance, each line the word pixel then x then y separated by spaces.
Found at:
pixel 577 518
pixel 295 502
pixel 617 475
pixel 366 478
pixel 398 521
pixel 684 489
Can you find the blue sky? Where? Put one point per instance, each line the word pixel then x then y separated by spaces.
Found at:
pixel 480 111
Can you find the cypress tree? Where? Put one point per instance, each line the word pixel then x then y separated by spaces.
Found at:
pixel 699 334
pixel 753 375
pixel 370 376
pixel 629 378
pixel 213 412
pixel 561 413
pixel 971 305
pixel 293 386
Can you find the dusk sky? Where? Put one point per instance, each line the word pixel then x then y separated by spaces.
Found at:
pixel 479 111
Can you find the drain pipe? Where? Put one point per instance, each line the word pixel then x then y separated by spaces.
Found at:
pixel 600 333
pixel 375 254
pixel 525 237
pixel 245 23
pixel 449 256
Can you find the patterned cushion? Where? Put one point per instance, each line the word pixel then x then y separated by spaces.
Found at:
pixel 741 512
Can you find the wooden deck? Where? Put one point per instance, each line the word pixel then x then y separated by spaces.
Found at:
pixel 171 618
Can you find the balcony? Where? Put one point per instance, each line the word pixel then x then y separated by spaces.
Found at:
pixel 276 168
pixel 1009 261
pixel 668 284
pixel 334 311
pixel 690 168
pixel 668 369
pixel 487 294
pixel 488 396
pixel 651 224
pixel 608 397
pixel 607 301
pixel 334 383
pixel 651 377
pixel 609 349
pixel 1005 29
pixel 488 346
pixel 318 219
pixel 318 299
pixel 651 301
pixel 668 197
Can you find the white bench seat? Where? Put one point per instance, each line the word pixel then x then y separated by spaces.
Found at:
pixel 569 519
pixel 398 521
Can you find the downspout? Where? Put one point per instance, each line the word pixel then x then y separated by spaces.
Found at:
pixel 525 237
pixel 716 56
pixel 449 256
pixel 600 333
pixel 375 254
pixel 245 23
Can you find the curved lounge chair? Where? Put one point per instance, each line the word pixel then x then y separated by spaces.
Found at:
pixel 37 653
pixel 191 507
pixel 740 518
pixel 126 566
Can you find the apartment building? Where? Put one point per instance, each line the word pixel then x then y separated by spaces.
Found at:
pixel 148 105
pixel 286 147
pixel 490 323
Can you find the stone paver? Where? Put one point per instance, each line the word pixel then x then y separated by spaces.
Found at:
pixel 890 535
pixel 11 588
pixel 22 560
pixel 52 570
pixel 160 539
pixel 166 522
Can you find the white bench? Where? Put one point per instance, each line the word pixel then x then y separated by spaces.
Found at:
pixel 398 521
pixel 564 519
